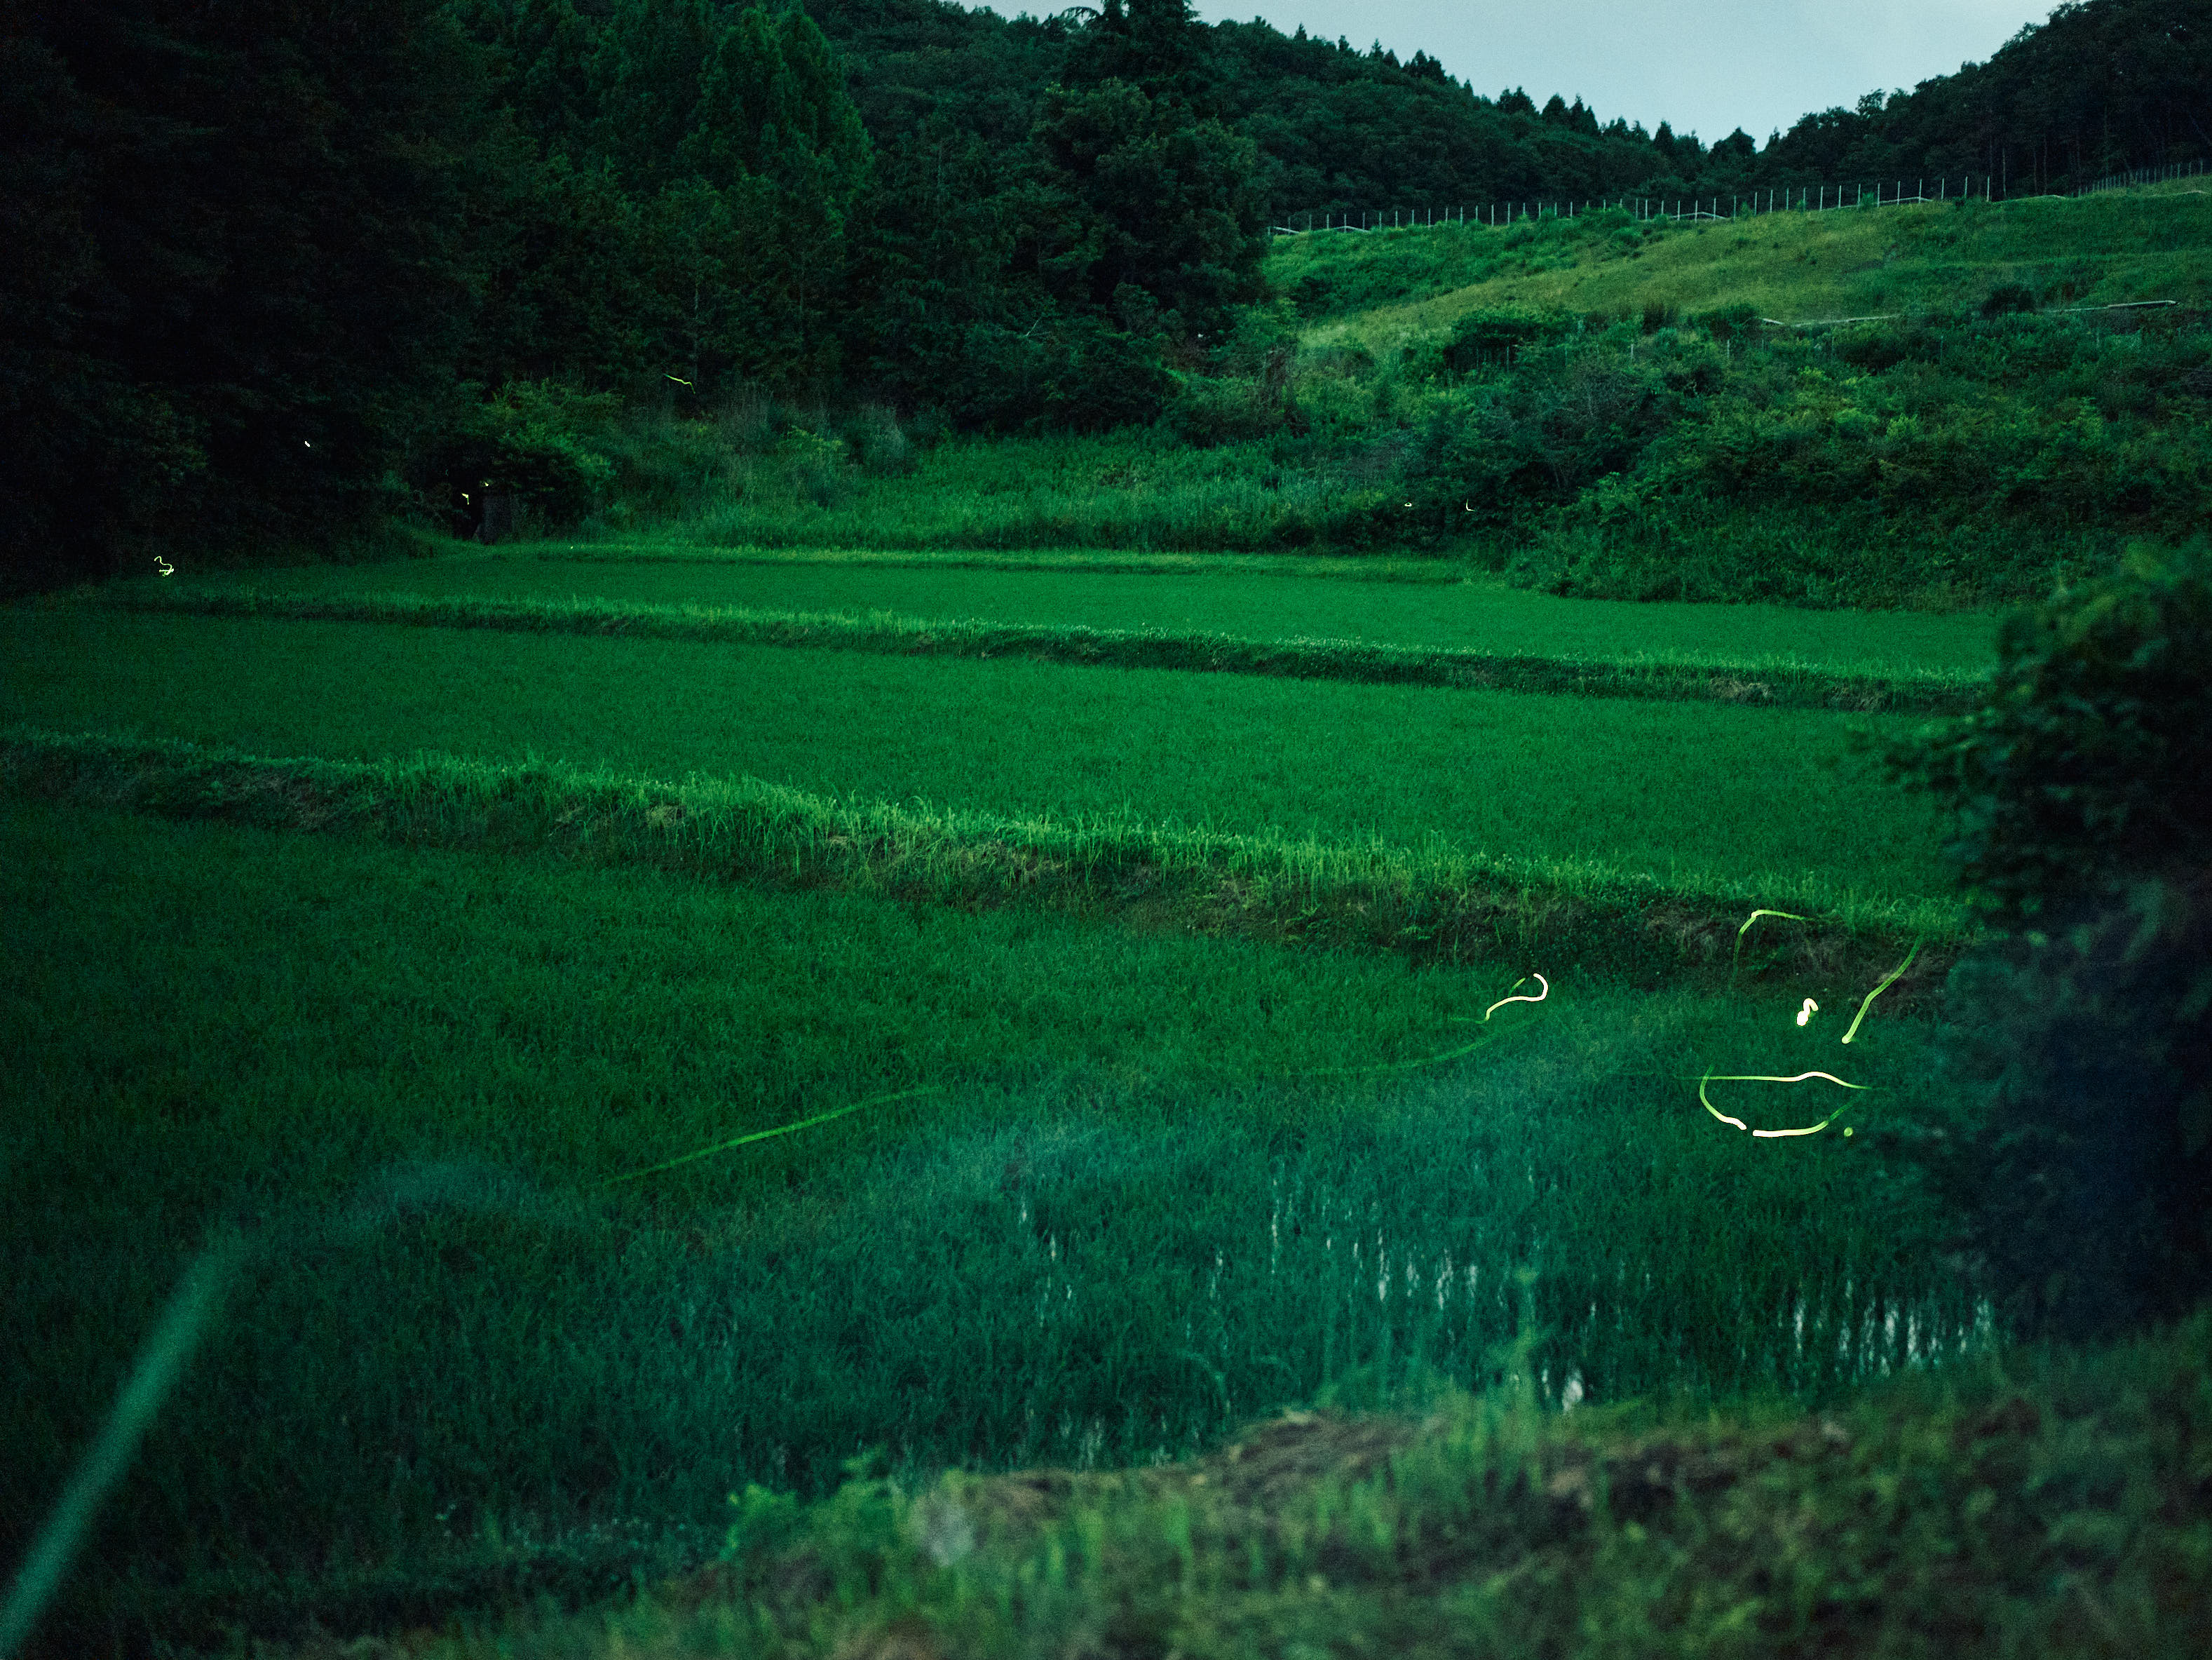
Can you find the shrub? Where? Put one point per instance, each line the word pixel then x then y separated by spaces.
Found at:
pixel 1067 374
pixel 1731 323
pixel 2091 764
pixel 2073 1156
pixel 540 442
pixel 2083 826
pixel 1484 338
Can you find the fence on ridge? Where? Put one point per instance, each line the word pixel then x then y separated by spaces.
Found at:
pixel 1809 198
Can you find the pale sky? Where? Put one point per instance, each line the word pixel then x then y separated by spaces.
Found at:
pixel 1708 66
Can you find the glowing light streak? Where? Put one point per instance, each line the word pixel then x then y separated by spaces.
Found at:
pixel 1524 979
pixel 781 1129
pixel 1737 960
pixel 679 380
pixel 1882 987
pixel 1806 1013
pixel 1449 1055
pixel 1748 1077
pixel 167 568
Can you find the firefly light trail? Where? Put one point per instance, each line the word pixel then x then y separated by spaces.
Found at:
pixel 1746 1078
pixel 1449 1055
pixel 1882 987
pixel 1736 962
pixel 1804 1015
pixel 781 1129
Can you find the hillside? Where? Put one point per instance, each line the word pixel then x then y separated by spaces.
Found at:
pixel 1937 263
pixel 270 303
pixel 1596 405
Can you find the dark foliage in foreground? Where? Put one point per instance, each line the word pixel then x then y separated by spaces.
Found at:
pixel 2083 826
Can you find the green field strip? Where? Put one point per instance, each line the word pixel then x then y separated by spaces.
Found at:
pixel 1311 567
pixel 1692 795
pixel 220 1025
pixel 1483 614
pixel 1430 904
pixel 1782 686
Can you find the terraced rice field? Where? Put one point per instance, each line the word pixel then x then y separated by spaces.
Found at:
pixel 1165 1046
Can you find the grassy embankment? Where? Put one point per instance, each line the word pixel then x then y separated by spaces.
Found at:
pixel 1396 606
pixel 2122 246
pixel 1466 802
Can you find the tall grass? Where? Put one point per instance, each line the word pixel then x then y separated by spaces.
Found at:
pixel 2033 1505
pixel 1693 796
pixel 1119 491
pixel 1149 1200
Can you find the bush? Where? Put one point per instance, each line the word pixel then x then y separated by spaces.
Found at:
pixel 2083 826
pixel 1731 323
pixel 1538 438
pixel 2091 764
pixel 2079 1172
pixel 1066 374
pixel 539 443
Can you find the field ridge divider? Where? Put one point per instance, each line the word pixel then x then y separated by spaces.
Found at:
pixel 889 634
pixel 1432 903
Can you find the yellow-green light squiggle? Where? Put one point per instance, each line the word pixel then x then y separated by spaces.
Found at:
pixel 1449 1055
pixel 1748 1078
pixel 781 1129
pixel 1882 987
pixel 1737 961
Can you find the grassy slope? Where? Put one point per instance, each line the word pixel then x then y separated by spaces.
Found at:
pixel 2119 246
pixel 1279 604
pixel 1685 794
pixel 1136 494
pixel 224 1024
pixel 2053 1507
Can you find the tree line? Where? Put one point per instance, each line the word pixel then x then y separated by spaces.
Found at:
pixel 278 272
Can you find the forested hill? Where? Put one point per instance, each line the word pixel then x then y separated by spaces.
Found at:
pixel 2101 88
pixel 1336 128
pixel 276 272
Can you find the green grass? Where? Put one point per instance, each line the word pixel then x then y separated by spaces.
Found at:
pixel 1132 1217
pixel 1424 904
pixel 1420 569
pixel 1281 603
pixel 1695 797
pixel 2039 1505
pixel 1774 683
pixel 1792 267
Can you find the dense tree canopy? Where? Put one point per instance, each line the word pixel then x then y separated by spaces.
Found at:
pixel 236 256
pixel 2101 88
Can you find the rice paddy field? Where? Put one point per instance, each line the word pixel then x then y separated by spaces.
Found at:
pixel 632 1065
